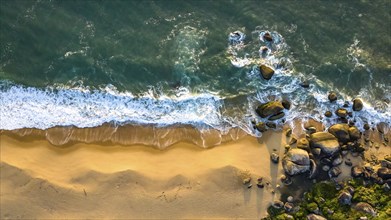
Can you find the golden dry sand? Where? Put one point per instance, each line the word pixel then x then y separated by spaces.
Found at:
pixel 81 181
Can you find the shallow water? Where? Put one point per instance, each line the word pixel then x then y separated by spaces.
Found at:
pixel 160 63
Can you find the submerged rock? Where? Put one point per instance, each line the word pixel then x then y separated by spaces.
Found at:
pixel 268 37
pixel 266 72
pixel 296 161
pixel 269 108
pixel 357 104
pixel 325 141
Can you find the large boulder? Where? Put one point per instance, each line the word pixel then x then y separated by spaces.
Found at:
pixel 340 131
pixel 296 161
pixel 327 142
pixel 269 108
pixel 266 72
pixel 357 104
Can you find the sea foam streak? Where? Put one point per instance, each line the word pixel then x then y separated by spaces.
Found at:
pixel 22 107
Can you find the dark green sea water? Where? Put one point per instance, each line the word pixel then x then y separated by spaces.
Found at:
pixel 84 63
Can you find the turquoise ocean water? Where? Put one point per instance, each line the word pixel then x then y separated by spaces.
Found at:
pixel 162 63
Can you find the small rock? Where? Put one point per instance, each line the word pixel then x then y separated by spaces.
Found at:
pixel 290 199
pixel 275 158
pixel 261 127
pixel 365 207
pixel 278 204
pixel 316 151
pixel 305 84
pixel 271 124
pixel 363 218
pixel 288 206
pixel 277 116
pixel 303 144
pixel 334 172
pixel 357 104
pixel 341 112
pixel 328 114
pixel 332 96
pixel 386 187
pixel 288 132
pixel 246 180
pixel 266 72
pixel 286 180
pixel 292 141
pixel 345 198
pixel 348 162
pixel 384 173
pixel 268 37
pixel 311 130
pixel 346 104
pixel 286 104
pixel 366 127
pixel 357 171
pixel 249 185
pixel 315 217
pixel 326 168
pixel 337 161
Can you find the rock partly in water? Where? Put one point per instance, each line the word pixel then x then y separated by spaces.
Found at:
pixel 332 96
pixel 296 161
pixel 327 142
pixel 305 84
pixel 341 112
pixel 276 116
pixel 274 158
pixel 286 104
pixel 269 108
pixel 268 37
pixel 271 125
pixel 266 72
pixel 261 127
pixel 328 114
pixel 357 105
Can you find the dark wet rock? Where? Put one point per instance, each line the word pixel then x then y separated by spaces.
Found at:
pixel 366 127
pixel 286 104
pixel 334 172
pixel 354 133
pixel 357 171
pixel 266 72
pixel 278 204
pixel 365 207
pixel 326 161
pixel 271 124
pixel 315 217
pixel 268 37
pixel 350 114
pixel 341 112
pixel 292 141
pixel 260 185
pixel 385 163
pixel 288 132
pixel 345 198
pixel 332 96
pixel 384 173
pixel 305 84
pixel 270 108
pixel 277 116
pixel 340 131
pixel 328 114
pixel 304 144
pixel 326 168
pixel 288 206
pixel 296 161
pixel 313 169
pixel 274 158
pixel 311 130
pixel 357 104
pixel 351 123
pixel 261 127
pixel 325 141
pixel 346 104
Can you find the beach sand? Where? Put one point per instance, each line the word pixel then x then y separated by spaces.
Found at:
pixel 39 180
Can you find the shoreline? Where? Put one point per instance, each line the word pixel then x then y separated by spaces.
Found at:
pixel 184 181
